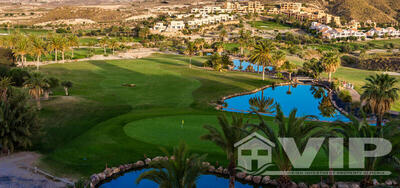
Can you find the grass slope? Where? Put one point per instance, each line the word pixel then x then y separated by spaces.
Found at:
pixel 85 132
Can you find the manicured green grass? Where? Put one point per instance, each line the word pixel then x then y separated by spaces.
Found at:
pixel 26 31
pixel 358 76
pixel 268 25
pixel 105 123
pixel 84 132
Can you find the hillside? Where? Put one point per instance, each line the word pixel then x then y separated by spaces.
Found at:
pixel 382 11
pixel 95 14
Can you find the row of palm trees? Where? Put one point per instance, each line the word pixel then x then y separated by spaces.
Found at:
pixel 37 46
pixel 38 85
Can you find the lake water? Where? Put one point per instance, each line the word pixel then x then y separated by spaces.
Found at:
pixel 307 99
pixel 129 180
pixel 245 64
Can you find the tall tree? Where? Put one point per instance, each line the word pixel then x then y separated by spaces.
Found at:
pixel 22 48
pixel 67 85
pixel 35 83
pixel 380 93
pixel 190 51
pixel 19 122
pixel 331 62
pixel 292 127
pixel 231 133
pixel 73 42
pixel 37 48
pixel 262 55
pixel 181 170
pixel 104 42
pixel 54 42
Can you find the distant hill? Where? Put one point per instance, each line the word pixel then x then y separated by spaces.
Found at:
pixel 381 11
pixel 95 14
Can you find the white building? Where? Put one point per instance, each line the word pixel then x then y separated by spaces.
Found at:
pixel 160 27
pixel 176 26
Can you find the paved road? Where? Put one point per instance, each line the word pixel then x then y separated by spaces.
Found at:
pixel 14 172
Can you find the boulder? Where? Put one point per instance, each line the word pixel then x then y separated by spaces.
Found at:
pixel 225 171
pixel 240 175
pixel 388 182
pixel 394 182
pixel 108 172
pixel 205 164
pixel 273 183
pixel 314 186
pixel 165 158
pixel 257 179
pixel 94 179
pixel 354 185
pixel 219 170
pixel 248 178
pixel 323 185
pixel 265 180
pixel 101 176
pixel 302 185
pixel 139 164
pixel 375 182
pixel 342 185
pixel 292 185
pixel 211 168
pixel 121 168
pixel 147 161
pixel 115 170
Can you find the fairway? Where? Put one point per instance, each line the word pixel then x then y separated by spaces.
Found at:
pixel 268 25
pixel 107 110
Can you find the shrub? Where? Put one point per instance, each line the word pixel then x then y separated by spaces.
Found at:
pixel 345 96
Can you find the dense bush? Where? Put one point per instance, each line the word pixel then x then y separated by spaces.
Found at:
pixel 345 96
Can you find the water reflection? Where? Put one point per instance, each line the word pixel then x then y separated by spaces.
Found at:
pixel 307 99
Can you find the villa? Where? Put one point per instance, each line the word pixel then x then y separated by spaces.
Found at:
pixel 296 11
pixel 245 7
pixel 330 33
pixel 380 32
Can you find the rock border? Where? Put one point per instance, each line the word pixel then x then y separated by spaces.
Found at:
pixel 109 173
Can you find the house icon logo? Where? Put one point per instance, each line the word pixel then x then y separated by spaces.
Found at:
pixel 254 154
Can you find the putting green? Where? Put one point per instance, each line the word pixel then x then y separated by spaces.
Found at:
pixel 168 131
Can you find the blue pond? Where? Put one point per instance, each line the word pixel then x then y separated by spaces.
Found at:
pixel 245 64
pixel 300 97
pixel 129 180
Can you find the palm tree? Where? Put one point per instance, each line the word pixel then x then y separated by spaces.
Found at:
pixel 292 127
pixel 279 58
pixel 199 44
pixel 361 129
pixel 17 128
pixel 5 84
pixel 189 51
pixel 37 48
pixel 21 48
pixel 73 41
pixel 180 171
pixel 231 133
pixel 262 55
pixel 35 83
pixel 67 85
pixel 379 94
pixel 223 34
pixel 63 46
pixel 54 44
pixel 104 42
pixel 52 83
pixel 330 62
pixel 288 67
pixel 262 104
pixel 113 43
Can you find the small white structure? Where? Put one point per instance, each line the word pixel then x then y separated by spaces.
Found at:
pixel 254 151
pixel 176 26
pixel 160 27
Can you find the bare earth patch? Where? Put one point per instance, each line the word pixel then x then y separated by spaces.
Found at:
pixel 16 171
